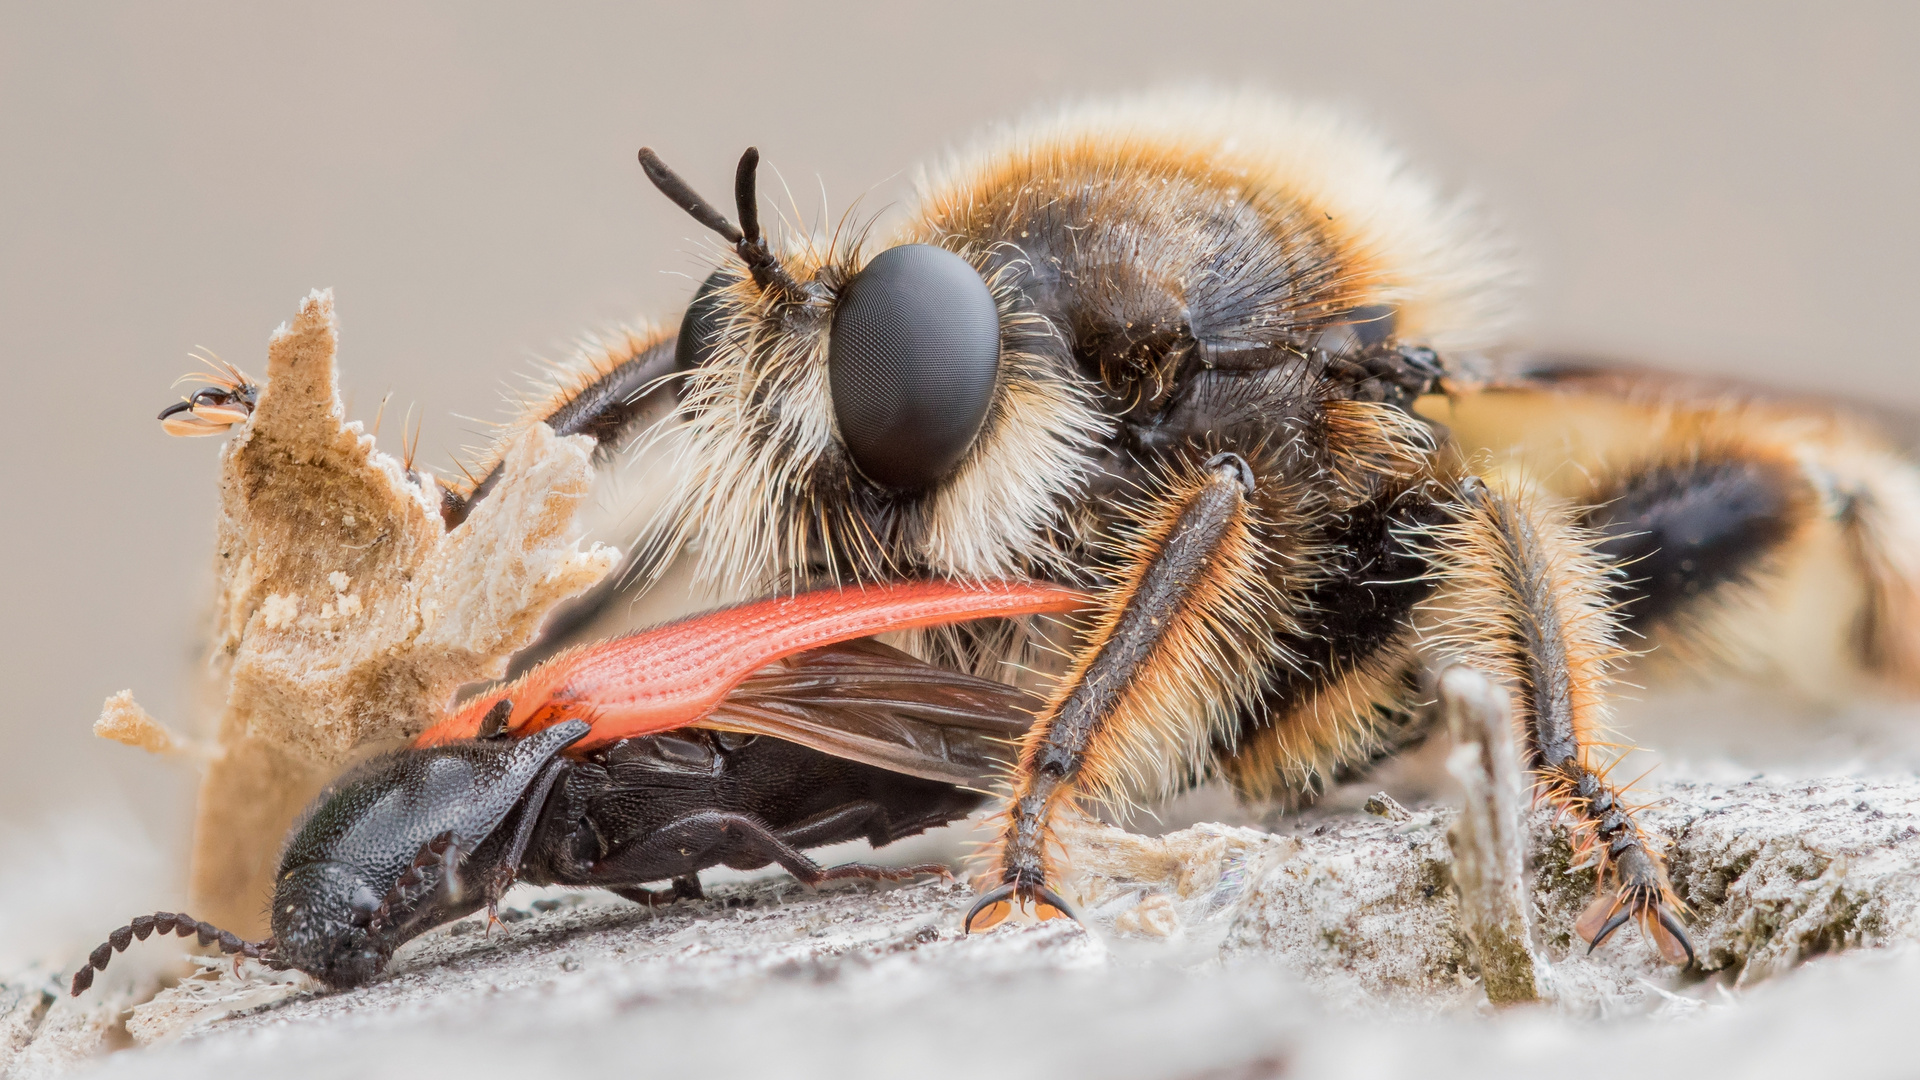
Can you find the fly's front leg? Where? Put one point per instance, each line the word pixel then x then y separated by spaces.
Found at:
pixel 1165 668
pixel 602 395
pixel 1526 597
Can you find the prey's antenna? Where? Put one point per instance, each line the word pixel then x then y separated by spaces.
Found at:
pixel 746 239
pixel 167 922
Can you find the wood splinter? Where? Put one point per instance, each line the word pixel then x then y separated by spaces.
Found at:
pixel 1489 867
pixel 122 720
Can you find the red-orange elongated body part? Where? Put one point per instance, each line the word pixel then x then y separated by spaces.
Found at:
pixel 674 675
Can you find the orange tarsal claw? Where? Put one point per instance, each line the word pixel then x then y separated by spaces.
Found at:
pixel 674 675
pixel 1653 911
pixel 993 908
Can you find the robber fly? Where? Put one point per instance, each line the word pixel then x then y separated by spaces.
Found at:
pixel 1215 361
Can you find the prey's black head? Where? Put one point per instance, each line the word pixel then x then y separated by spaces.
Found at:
pixel 400 844
pixel 405 842
pixel 323 916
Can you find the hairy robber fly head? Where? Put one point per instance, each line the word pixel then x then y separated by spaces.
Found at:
pixel 855 415
pixel 975 397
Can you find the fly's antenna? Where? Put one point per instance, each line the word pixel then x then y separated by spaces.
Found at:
pixel 167 922
pixel 746 199
pixel 747 240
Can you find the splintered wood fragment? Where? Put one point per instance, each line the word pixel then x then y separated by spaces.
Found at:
pixel 1381 804
pixel 124 721
pixel 347 611
pixel 1487 839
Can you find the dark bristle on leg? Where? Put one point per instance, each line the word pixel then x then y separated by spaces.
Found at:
pixel 167 922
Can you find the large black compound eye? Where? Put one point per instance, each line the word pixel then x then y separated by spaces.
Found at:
pixel 700 326
pixel 911 360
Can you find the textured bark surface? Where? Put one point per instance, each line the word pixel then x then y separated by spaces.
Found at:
pixel 1334 949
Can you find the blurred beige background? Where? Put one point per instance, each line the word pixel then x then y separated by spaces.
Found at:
pixel 1729 189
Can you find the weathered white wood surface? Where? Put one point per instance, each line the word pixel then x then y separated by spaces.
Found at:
pixel 1334 949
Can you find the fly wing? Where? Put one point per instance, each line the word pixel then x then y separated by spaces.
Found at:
pixel 674 675
pixel 870 703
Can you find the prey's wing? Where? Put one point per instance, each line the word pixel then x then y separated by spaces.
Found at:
pixel 866 702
